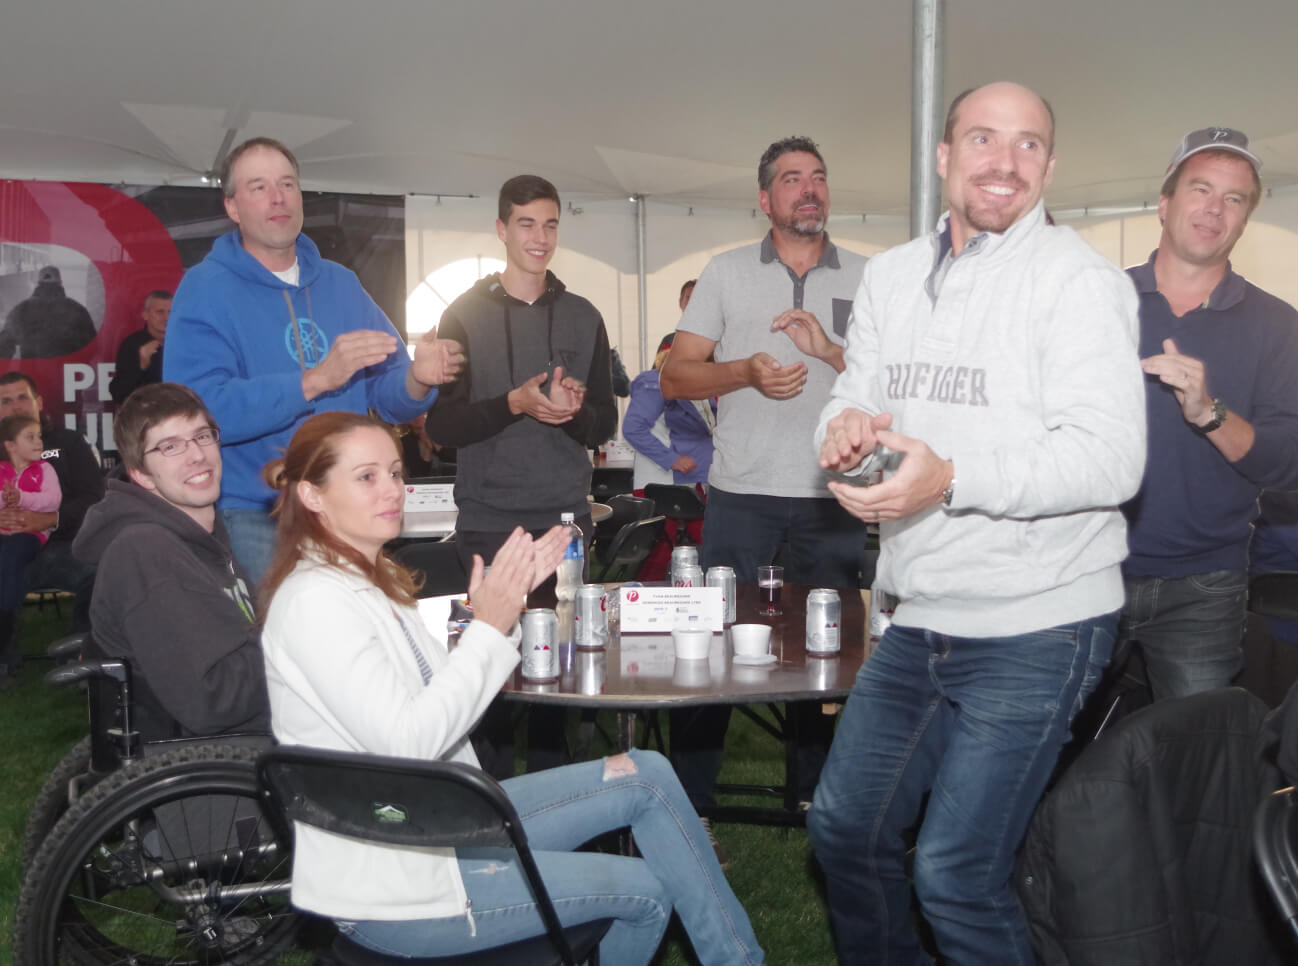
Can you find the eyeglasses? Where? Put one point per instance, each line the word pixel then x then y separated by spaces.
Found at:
pixel 174 445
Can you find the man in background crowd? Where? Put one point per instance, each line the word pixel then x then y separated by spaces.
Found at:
pixel 1221 358
pixel 139 357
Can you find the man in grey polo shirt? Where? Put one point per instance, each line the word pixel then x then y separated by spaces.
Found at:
pixel 764 332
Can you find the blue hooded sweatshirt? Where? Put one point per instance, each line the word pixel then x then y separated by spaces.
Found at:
pixel 231 338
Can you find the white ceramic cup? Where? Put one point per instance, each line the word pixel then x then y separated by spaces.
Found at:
pixel 751 640
pixel 691 643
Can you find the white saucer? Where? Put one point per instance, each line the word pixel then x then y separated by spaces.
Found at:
pixel 764 659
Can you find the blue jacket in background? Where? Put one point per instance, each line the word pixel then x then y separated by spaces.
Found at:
pixel 689 433
pixel 231 339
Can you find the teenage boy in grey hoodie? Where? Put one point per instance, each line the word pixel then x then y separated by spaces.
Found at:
pixel 993 372
pixel 535 394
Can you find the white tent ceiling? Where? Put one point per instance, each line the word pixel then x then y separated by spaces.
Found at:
pixel 675 99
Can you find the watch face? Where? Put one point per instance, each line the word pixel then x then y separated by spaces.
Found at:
pixel 1218 417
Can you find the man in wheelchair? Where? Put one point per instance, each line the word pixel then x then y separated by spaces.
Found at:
pixel 170 598
pixel 165 855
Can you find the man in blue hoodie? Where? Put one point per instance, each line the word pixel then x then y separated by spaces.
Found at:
pixel 269 333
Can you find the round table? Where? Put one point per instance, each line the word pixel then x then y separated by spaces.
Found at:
pixel 639 672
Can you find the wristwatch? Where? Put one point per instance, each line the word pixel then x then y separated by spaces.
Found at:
pixel 1218 417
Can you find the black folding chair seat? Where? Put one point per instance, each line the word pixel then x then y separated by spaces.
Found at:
pixel 419 804
pixel 677 502
pixel 626 509
pixel 439 564
pixel 630 548
pixel 609 481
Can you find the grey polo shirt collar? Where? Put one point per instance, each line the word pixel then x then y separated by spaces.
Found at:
pixel 828 259
pixel 1230 291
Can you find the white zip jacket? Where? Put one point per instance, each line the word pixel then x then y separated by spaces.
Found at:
pixel 1021 367
pixel 341 675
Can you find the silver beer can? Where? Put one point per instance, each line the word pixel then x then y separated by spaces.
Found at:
pixel 822 674
pixel 824 619
pixel 682 557
pixel 540 644
pixel 724 577
pixel 688 576
pixel 592 668
pixel 590 617
pixel 882 605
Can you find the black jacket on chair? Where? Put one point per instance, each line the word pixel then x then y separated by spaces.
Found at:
pixel 1141 854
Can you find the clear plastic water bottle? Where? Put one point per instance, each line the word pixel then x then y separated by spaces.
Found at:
pixel 572 571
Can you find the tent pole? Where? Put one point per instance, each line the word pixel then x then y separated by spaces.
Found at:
pixel 640 272
pixel 928 49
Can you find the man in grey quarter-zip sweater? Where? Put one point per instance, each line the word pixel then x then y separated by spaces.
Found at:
pixel 993 372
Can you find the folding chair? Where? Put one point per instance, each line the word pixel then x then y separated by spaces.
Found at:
pixel 677 502
pixel 626 509
pixel 608 481
pixel 419 804
pixel 438 562
pixel 626 555
pixel 1275 847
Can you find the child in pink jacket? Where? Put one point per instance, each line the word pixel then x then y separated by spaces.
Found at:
pixel 29 482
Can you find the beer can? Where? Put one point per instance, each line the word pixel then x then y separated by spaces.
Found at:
pixel 682 557
pixel 540 644
pixel 824 617
pixel 688 576
pixel 822 674
pixel 592 669
pixel 724 577
pixel 590 617
pixel 882 604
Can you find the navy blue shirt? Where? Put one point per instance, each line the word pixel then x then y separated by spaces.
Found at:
pixel 1195 510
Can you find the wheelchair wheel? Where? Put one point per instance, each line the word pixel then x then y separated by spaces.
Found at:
pixel 52 800
pixel 169 860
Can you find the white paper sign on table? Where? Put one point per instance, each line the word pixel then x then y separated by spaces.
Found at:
pixel 422 497
pixel 659 609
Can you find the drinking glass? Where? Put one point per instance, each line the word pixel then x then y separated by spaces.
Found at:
pixel 770 583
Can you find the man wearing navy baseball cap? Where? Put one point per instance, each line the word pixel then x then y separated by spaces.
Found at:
pixel 1221 364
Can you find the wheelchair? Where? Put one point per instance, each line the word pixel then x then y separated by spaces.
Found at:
pixel 151 852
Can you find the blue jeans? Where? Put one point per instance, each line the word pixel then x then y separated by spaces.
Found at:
pixel 744 530
pixel 1190 629
pixel 252 538
pixel 16 552
pixel 561 809
pixel 976 724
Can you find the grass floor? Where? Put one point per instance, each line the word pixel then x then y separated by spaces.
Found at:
pixel 771 870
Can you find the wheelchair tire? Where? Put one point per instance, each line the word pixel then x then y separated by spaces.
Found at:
pixel 52 800
pixel 168 860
